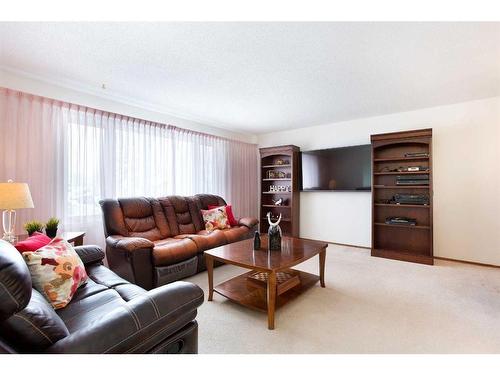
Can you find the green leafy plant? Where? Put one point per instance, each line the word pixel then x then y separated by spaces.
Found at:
pixel 52 224
pixel 51 227
pixel 33 226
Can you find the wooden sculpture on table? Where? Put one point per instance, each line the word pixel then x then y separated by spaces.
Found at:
pixel 274 234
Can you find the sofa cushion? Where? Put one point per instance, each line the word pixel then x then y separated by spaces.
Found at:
pixel 215 219
pixel 206 240
pixel 236 234
pixel 103 292
pixel 85 311
pixel 34 328
pixel 206 200
pixel 15 281
pixel 56 271
pixel 173 250
pixel 33 243
pixel 229 212
pixel 182 214
pixel 105 277
pixel 87 290
pixel 142 218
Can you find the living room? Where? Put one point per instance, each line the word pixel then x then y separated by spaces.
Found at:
pixel 250 187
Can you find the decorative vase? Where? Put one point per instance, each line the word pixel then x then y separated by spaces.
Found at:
pixel 256 241
pixel 274 234
pixel 51 232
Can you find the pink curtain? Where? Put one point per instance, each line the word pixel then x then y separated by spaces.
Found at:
pixel 73 156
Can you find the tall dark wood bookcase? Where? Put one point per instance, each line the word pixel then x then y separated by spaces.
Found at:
pixel 411 243
pixel 279 180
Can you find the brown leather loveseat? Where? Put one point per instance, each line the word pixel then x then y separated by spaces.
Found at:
pixel 154 241
pixel 106 315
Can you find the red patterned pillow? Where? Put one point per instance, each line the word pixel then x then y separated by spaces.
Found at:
pixel 229 212
pixel 33 243
pixel 56 271
pixel 215 219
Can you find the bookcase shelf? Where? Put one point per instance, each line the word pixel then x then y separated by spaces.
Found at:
pixel 411 243
pixel 401 158
pixel 269 158
pixel 274 206
pixel 277 166
pixel 399 226
pixel 401 205
pixel 398 173
pixel 401 186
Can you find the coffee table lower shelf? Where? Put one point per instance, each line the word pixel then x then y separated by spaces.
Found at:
pixel 239 290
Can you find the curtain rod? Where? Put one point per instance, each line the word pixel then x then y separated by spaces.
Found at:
pixel 87 108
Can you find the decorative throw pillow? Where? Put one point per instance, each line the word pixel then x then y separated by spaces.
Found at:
pixel 56 271
pixel 229 212
pixel 33 243
pixel 215 218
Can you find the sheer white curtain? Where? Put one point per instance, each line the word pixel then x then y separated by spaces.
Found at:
pixel 73 156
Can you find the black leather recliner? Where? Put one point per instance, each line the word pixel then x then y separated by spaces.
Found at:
pixel 106 315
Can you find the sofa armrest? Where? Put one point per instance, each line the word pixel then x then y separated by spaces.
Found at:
pixel 131 258
pixel 90 254
pixel 248 222
pixel 138 325
pixel 129 243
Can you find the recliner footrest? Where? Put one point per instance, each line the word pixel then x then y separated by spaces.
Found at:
pixel 168 274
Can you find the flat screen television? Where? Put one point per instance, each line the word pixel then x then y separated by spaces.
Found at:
pixel 341 169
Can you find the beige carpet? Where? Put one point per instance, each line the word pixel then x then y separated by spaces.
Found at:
pixel 369 305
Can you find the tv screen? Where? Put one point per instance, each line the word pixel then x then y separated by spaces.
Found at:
pixel 344 168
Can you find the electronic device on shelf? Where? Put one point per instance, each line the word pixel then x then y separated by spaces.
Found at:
pixel 419 199
pixel 416 154
pixel 416 168
pixel 400 220
pixel 412 180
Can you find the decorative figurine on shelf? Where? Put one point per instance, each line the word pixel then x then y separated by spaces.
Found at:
pixel 278 202
pixel 256 241
pixel 274 234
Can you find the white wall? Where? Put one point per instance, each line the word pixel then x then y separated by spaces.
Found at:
pixel 100 100
pixel 466 162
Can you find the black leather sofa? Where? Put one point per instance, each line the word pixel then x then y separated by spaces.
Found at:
pixel 107 315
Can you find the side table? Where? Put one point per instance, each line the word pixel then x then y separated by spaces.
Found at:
pixel 76 238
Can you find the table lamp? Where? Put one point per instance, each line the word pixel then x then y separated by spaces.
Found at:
pixel 13 195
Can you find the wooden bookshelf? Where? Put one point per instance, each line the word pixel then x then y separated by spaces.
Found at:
pixel 279 167
pixel 412 243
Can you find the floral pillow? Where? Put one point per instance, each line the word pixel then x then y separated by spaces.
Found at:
pixel 56 271
pixel 215 218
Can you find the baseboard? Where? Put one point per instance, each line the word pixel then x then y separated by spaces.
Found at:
pixel 468 262
pixel 439 258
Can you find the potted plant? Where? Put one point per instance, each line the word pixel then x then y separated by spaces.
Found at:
pixel 33 226
pixel 51 227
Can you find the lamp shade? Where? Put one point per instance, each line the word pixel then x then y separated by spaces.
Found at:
pixel 14 195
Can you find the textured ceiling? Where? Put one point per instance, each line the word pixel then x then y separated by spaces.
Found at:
pixel 260 77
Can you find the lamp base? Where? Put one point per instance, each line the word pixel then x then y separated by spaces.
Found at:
pixel 9 220
pixel 9 237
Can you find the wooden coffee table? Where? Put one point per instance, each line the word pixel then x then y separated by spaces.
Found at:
pixel 272 282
